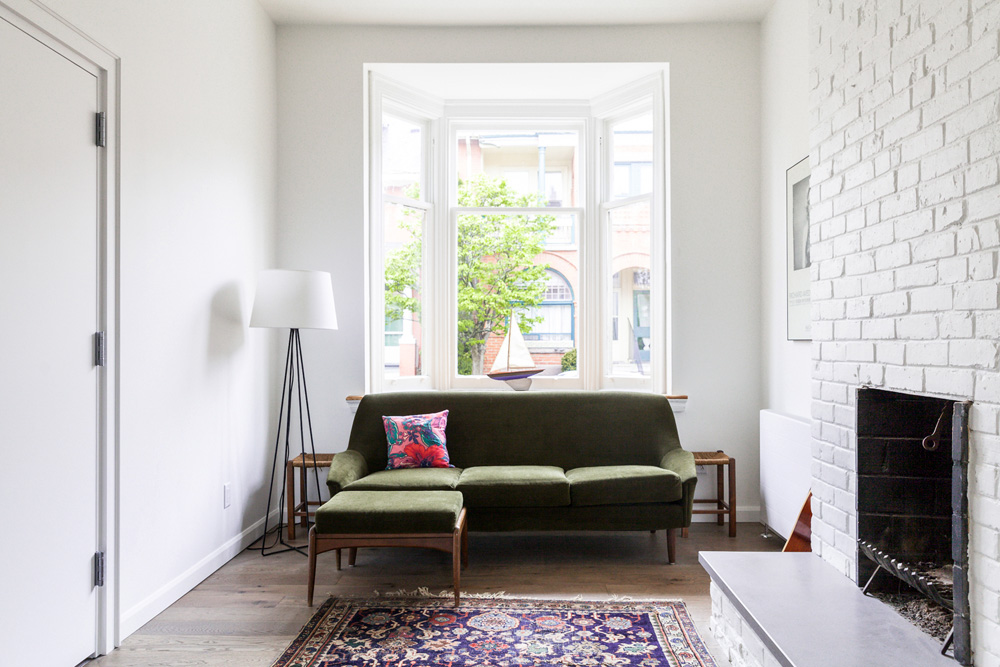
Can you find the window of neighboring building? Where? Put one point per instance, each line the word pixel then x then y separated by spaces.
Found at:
pixel 554 219
pixel 555 315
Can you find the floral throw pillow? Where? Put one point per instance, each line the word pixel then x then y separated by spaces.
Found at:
pixel 417 441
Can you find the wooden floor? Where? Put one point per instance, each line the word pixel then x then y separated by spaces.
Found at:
pixel 251 608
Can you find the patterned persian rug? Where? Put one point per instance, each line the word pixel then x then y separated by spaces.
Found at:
pixel 426 632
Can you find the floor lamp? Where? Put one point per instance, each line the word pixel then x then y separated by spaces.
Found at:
pixel 292 300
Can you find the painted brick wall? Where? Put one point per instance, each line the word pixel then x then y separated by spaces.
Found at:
pixel 740 644
pixel 904 204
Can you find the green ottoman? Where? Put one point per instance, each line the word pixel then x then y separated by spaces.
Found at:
pixel 426 519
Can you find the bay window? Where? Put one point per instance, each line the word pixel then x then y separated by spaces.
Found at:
pixel 547 213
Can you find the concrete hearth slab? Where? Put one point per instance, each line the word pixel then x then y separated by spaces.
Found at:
pixel 807 614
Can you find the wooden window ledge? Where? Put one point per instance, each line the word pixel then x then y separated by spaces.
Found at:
pixel 678 402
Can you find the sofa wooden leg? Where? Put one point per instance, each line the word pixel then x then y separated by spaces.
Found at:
pixel 338 559
pixel 456 561
pixel 465 545
pixel 671 544
pixel 312 566
pixel 459 552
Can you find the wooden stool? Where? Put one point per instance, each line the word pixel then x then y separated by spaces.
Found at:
pixel 723 507
pixel 303 462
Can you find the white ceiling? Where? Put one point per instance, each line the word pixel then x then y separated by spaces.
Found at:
pixel 513 12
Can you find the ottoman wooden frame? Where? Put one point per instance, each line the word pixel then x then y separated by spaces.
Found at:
pixel 456 543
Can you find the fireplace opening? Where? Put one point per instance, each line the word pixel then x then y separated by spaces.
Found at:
pixel 912 510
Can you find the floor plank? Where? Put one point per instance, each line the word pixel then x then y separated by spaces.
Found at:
pixel 248 611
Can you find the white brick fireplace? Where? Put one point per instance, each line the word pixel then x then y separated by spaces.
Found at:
pixel 904 205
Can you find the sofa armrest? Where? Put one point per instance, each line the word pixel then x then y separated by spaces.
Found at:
pixel 346 467
pixel 682 463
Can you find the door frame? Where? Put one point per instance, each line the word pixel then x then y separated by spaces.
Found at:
pixel 50 29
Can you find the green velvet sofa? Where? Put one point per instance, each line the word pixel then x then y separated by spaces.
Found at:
pixel 537 460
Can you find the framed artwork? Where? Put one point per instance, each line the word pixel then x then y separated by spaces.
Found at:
pixel 798 260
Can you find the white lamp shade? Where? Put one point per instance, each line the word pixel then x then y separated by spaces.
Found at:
pixel 294 300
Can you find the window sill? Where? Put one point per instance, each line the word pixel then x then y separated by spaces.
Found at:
pixel 678 402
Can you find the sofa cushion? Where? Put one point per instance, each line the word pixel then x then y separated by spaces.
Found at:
pixel 368 512
pixel 617 485
pixel 408 479
pixel 514 486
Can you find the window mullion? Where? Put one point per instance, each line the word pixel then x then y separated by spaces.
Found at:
pixel 662 380
pixel 442 265
pixel 375 308
pixel 590 351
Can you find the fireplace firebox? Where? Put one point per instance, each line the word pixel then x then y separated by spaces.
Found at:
pixel 912 502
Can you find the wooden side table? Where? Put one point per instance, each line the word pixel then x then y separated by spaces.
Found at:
pixel 301 509
pixel 723 507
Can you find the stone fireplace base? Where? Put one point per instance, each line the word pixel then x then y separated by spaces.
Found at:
pixel 795 610
pixel 737 636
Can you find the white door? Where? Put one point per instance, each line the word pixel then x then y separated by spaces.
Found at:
pixel 49 386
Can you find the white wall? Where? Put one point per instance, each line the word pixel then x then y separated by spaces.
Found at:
pixel 715 131
pixel 905 215
pixel 784 73
pixel 198 139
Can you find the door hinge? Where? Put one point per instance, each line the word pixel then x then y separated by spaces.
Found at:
pixel 99 349
pixel 99 568
pixel 101 137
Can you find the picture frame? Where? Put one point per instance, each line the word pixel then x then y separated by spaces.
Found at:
pixel 798 260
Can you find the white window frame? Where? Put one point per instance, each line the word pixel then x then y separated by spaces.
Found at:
pixel 593 120
pixel 389 97
pixel 526 116
pixel 642 96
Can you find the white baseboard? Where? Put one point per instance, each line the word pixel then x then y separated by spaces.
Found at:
pixel 169 593
pixel 136 617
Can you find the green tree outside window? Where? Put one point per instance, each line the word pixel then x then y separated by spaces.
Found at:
pixel 497 273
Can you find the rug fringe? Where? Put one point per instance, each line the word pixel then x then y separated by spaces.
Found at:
pixel 616 598
pixel 424 592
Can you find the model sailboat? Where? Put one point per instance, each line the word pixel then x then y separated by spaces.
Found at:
pixel 514 364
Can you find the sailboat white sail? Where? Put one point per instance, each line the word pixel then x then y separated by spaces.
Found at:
pixel 513 362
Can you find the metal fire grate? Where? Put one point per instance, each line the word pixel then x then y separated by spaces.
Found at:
pixel 924 580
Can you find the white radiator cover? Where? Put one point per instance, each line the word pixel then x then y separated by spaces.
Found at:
pixel 785 469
